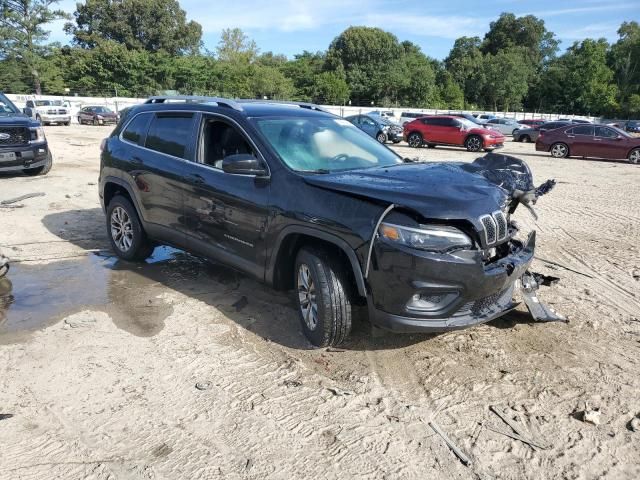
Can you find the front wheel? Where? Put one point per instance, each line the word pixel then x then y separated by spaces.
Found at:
pixel 559 150
pixel 125 231
pixel 525 138
pixel 634 156
pixel 415 140
pixel 381 137
pixel 473 143
pixel 43 170
pixel 322 298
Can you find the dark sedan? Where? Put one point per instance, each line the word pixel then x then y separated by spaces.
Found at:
pixel 597 141
pixel 97 115
pixel 379 128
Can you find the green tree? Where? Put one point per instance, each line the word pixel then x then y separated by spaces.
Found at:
pixel 506 77
pixel 269 82
pixel 416 78
pixel 235 46
pixel 23 34
pixel 371 59
pixel 153 25
pixel 624 59
pixel 302 71
pixel 465 62
pixel 330 88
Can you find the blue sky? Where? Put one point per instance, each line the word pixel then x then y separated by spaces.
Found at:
pixel 291 26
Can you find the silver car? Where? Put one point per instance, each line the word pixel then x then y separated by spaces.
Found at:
pixel 506 126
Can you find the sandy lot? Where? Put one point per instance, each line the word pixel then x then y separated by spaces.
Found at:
pixel 99 359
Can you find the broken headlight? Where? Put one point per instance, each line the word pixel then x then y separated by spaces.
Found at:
pixel 432 238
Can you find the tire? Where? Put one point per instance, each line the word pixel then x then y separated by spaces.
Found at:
pixel 132 243
pixel 634 156
pixel 43 170
pixel 79 121
pixel 514 132
pixel 473 143
pixel 316 272
pixel 525 138
pixel 381 137
pixel 414 140
pixel 66 124
pixel 95 122
pixel 559 150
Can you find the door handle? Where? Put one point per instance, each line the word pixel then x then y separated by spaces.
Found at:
pixel 196 178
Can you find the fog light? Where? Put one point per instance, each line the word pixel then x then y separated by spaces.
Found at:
pixel 432 302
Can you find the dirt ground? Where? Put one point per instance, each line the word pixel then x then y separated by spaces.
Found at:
pixel 183 369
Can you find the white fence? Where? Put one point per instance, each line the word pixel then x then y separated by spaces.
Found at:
pixel 118 103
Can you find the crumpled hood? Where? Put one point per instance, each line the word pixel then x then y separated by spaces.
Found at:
pixel 442 191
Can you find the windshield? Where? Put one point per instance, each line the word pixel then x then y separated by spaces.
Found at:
pixel 323 145
pixel 48 103
pixel 6 106
pixel 386 121
pixel 101 110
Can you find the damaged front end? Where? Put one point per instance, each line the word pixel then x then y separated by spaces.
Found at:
pixel 422 289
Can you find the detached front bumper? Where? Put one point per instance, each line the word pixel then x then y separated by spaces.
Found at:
pixel 18 158
pixel 463 289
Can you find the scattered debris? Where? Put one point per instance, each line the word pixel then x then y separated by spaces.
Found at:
pixel 9 201
pixel 463 458
pixel 240 304
pixel 634 424
pixel 292 383
pixel 203 385
pixel 592 416
pixel 538 310
pixel 563 266
pixel 518 434
pixel 4 265
pixel 339 393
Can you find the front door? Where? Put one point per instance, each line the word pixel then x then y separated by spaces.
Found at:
pixel 608 144
pixel 225 214
pixel 580 140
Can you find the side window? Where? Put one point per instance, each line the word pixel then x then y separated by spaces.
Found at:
pixel 136 129
pixel 367 121
pixel 581 130
pixel 605 132
pixel 219 140
pixel 427 121
pixel 170 133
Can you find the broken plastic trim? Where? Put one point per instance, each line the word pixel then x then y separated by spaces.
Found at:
pixel 529 284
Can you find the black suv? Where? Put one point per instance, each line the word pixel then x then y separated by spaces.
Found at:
pixel 304 201
pixel 23 146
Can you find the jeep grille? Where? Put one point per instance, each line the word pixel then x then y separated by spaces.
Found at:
pixel 495 227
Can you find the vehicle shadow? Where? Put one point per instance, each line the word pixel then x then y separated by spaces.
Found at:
pixel 251 305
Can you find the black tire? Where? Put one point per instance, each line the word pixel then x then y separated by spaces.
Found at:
pixel 139 245
pixel 414 140
pixel 473 143
pixel 514 131
pixel 525 138
pixel 559 150
pixel 43 170
pixel 381 137
pixel 79 121
pixel 431 145
pixel 333 306
pixel 95 122
pixel 634 156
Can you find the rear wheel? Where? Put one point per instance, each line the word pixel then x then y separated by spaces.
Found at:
pixel 125 231
pixel 414 140
pixel 559 150
pixel 473 143
pixel 381 137
pixel 322 298
pixel 43 170
pixel 525 138
pixel 634 156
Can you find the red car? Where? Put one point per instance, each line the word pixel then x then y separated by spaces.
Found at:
pixel 582 140
pixel 450 130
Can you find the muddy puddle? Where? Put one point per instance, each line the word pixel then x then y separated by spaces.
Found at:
pixel 33 297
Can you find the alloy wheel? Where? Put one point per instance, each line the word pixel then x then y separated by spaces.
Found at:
pixel 559 150
pixel 634 156
pixel 474 144
pixel 414 140
pixel 307 297
pixel 121 229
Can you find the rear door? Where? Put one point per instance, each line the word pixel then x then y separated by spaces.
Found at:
pixel 580 141
pixel 226 214
pixel 158 169
pixel 437 129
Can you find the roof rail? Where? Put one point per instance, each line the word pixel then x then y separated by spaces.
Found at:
pixel 222 102
pixel 310 106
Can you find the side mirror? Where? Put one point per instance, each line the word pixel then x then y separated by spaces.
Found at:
pixel 243 164
pixel 28 112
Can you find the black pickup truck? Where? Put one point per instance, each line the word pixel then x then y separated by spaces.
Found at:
pixel 23 146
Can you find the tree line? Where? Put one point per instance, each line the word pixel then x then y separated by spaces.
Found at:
pixel 142 47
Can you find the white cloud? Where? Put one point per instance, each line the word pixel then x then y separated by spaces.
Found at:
pixel 442 26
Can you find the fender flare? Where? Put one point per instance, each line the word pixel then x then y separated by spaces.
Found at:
pixel 122 183
pixel 321 235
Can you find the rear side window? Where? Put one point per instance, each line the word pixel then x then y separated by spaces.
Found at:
pixel 136 129
pixel 581 130
pixel 440 122
pixel 170 133
pixel 605 132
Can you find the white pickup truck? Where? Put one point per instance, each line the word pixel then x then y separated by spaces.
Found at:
pixel 49 111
